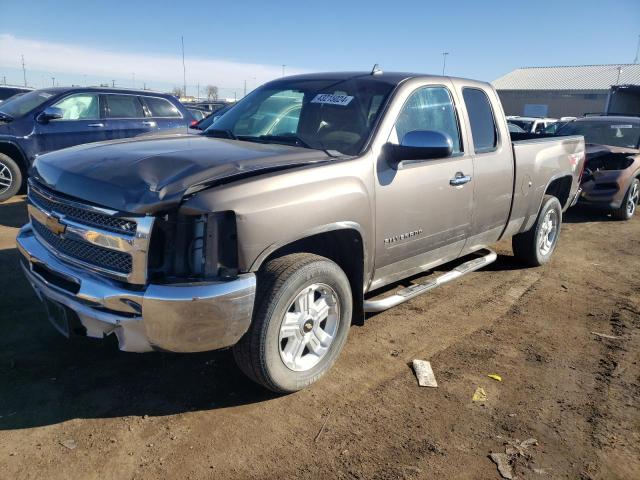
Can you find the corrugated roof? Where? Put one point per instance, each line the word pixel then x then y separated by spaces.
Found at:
pixel 581 77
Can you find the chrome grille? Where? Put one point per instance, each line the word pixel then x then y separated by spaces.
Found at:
pixel 100 239
pixel 54 203
pixel 92 254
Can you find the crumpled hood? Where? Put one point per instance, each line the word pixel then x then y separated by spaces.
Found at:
pixel 146 175
pixel 593 148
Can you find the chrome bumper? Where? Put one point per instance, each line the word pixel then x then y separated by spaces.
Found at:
pixel 190 317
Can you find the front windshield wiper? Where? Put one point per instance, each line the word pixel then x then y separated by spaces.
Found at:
pixel 219 133
pixel 286 138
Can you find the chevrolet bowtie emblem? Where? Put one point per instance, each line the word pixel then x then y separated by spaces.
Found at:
pixel 54 224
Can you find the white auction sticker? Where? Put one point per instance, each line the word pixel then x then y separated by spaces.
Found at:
pixel 621 126
pixel 342 100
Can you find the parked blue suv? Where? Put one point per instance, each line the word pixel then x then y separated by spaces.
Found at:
pixel 50 119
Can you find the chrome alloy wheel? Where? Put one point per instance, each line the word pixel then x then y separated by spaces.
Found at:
pixel 632 200
pixel 6 179
pixel 309 327
pixel 548 232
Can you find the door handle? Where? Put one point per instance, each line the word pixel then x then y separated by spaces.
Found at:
pixel 459 179
pixel 96 125
pixel 147 123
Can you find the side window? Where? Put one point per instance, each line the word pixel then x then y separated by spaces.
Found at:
pixel 161 107
pixel 483 125
pixel 82 106
pixel 123 106
pixel 430 108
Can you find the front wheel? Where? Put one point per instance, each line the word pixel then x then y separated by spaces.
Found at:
pixel 10 177
pixel 630 202
pixel 301 321
pixel 536 246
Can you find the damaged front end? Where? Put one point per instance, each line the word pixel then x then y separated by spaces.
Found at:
pixel 192 298
pixel 606 176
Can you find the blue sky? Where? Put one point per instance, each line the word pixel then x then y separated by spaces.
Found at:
pixel 228 43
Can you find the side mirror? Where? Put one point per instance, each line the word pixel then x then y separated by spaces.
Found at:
pixel 421 145
pixel 50 113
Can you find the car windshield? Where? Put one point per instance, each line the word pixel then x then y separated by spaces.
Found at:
pixel 20 105
pixel 523 124
pixel 335 115
pixel 617 133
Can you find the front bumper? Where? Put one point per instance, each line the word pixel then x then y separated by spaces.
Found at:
pixel 191 317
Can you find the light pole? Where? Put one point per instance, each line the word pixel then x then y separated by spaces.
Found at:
pixel 24 71
pixel 444 61
pixel 184 70
pixel 283 70
pixel 619 71
pixel 635 60
pixel 53 81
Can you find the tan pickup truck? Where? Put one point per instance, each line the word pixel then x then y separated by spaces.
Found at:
pixel 272 230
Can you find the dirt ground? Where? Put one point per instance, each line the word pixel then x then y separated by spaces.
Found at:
pixel 195 416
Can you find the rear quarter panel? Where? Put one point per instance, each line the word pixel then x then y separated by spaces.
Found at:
pixel 538 163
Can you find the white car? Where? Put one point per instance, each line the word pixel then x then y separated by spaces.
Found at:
pixel 531 124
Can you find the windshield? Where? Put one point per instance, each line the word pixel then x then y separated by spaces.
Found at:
pixel 320 114
pixel 20 105
pixel 617 133
pixel 523 124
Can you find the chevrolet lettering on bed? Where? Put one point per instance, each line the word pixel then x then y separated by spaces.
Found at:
pixel 277 227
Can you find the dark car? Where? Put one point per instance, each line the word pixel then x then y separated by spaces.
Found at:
pixel 8 91
pixel 611 179
pixel 41 121
pixel 198 113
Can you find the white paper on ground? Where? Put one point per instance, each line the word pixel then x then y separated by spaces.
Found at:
pixel 425 375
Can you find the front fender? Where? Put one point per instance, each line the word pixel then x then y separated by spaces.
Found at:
pixel 276 209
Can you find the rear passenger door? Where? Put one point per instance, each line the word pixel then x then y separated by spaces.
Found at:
pixel 492 165
pixel 125 116
pixel 164 113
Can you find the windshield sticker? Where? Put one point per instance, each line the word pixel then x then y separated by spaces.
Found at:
pixel 45 95
pixel 328 98
pixel 621 126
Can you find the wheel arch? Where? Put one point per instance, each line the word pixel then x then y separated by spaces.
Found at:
pixel 559 187
pixel 13 151
pixel 341 242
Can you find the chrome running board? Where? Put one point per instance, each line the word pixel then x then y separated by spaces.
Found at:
pixel 488 256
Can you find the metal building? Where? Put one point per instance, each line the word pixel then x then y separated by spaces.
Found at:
pixel 562 91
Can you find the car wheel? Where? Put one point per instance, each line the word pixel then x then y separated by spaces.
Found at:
pixel 629 203
pixel 536 246
pixel 301 320
pixel 10 177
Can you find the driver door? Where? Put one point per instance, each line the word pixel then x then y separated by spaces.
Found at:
pixel 81 123
pixel 423 215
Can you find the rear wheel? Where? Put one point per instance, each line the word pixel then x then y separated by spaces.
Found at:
pixel 629 203
pixel 10 177
pixel 300 323
pixel 536 246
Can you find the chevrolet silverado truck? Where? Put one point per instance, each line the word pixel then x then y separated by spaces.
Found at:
pixel 276 228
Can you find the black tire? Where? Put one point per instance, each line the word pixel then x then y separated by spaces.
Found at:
pixel 10 177
pixel 628 208
pixel 526 246
pixel 279 283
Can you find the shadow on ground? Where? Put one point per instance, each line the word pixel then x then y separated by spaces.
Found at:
pixel 46 378
pixel 581 214
pixel 13 214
